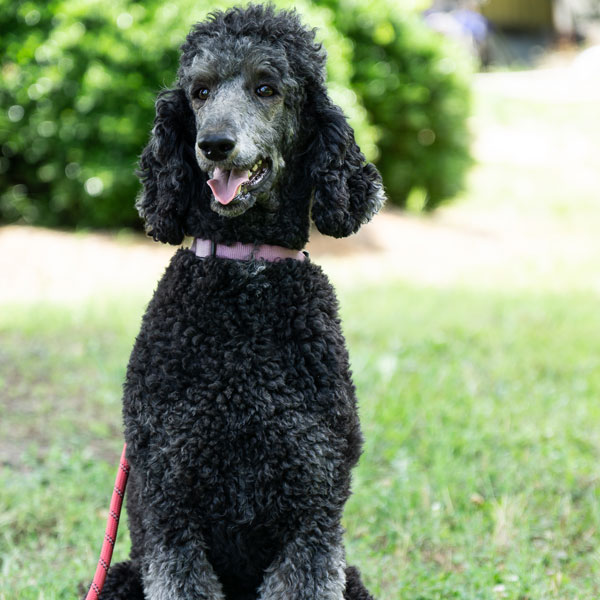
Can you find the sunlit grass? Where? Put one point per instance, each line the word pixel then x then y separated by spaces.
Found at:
pixel 480 473
pixel 537 159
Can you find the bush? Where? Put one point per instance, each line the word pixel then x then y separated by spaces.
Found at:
pixel 77 96
pixel 75 80
pixel 415 87
pixel 79 79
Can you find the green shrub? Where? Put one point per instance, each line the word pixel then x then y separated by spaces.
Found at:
pixel 73 126
pixel 415 87
pixel 76 84
pixel 79 79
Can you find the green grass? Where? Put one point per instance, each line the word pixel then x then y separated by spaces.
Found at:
pixel 480 474
pixel 61 371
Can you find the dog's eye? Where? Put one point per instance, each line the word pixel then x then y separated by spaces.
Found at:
pixel 202 93
pixel 264 91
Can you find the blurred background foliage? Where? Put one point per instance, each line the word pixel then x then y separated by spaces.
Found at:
pixel 79 79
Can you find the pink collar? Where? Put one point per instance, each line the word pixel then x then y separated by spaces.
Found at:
pixel 239 251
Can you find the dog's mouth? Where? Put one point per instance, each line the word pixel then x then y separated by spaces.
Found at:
pixel 228 185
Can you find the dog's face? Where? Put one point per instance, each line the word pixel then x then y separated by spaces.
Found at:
pixel 248 146
pixel 242 103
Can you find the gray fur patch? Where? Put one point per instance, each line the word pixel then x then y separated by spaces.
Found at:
pixel 379 198
pixel 304 572
pixel 180 574
pixel 258 126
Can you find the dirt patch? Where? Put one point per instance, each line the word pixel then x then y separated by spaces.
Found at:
pixel 453 247
pixel 41 264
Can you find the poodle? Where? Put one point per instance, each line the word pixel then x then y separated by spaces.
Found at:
pixel 239 409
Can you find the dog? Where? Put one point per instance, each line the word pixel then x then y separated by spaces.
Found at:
pixel 239 408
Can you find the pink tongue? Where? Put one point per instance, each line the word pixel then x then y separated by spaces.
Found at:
pixel 225 185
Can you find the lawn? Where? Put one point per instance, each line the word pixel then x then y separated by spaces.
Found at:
pixel 480 472
pixel 480 477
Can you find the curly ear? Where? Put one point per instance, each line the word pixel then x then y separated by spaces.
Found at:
pixel 168 169
pixel 347 190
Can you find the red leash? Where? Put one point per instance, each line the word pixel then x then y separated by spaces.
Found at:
pixel 112 525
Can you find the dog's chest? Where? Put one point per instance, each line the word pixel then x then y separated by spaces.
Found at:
pixel 235 385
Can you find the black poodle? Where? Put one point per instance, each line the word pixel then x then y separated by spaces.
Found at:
pixel 239 408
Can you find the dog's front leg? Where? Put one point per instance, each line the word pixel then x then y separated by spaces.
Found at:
pixel 312 566
pixel 180 573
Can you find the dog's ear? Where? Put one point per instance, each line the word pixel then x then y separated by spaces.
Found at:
pixel 347 191
pixel 168 169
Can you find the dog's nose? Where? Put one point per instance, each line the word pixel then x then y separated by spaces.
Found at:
pixel 216 147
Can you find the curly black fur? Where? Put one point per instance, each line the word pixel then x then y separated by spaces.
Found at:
pixel 239 408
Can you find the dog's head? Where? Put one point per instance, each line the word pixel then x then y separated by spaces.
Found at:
pixel 248 143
